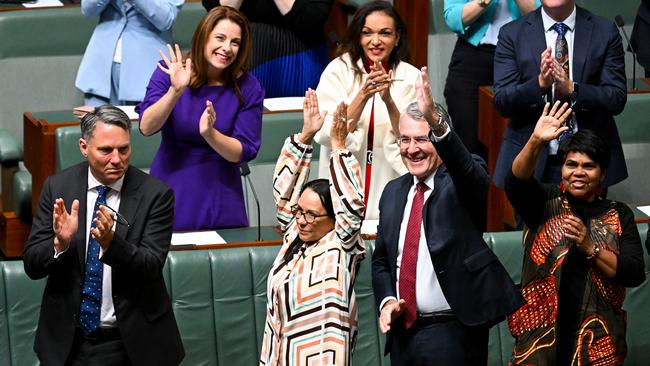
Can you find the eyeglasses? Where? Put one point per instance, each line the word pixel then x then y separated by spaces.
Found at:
pixel 309 216
pixel 118 217
pixel 418 140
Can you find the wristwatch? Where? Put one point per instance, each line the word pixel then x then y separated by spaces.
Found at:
pixel 483 3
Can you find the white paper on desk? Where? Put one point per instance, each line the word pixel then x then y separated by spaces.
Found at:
pixel 369 227
pixel 284 104
pixel 129 110
pixel 644 209
pixel 43 3
pixel 197 238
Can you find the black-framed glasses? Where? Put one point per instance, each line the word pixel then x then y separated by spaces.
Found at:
pixel 309 216
pixel 118 216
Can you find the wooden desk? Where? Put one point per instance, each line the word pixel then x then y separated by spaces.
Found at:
pixel 39 145
pixel 491 125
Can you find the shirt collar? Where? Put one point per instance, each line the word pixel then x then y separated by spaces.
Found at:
pixel 93 182
pixel 570 21
pixel 428 181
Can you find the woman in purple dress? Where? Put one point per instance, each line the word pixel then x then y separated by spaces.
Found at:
pixel 209 109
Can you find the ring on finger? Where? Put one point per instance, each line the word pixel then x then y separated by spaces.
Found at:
pixel 374 84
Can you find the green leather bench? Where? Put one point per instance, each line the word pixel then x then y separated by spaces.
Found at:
pixel 219 297
pixel 633 127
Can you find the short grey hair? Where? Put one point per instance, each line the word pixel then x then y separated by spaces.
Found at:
pixel 412 110
pixel 106 113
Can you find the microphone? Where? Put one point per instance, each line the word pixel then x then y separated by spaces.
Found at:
pixel 620 23
pixel 245 172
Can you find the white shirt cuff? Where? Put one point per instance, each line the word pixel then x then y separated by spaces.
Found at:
pixel 385 300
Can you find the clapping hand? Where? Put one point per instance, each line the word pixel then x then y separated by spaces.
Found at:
pixel 179 72
pixel 563 85
pixel 551 124
pixel 64 224
pixel 339 127
pixel 206 122
pixel 103 230
pixel 545 78
pixel 312 117
pixel 378 81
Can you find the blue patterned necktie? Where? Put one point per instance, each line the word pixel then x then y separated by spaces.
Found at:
pixel 91 295
pixel 562 57
pixel 561 46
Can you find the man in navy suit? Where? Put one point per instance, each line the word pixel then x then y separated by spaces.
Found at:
pixel 96 258
pixel 437 284
pixel 527 75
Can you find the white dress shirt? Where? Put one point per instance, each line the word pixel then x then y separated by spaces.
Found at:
pixel 551 36
pixel 107 317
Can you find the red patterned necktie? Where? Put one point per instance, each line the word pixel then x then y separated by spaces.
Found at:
pixel 409 264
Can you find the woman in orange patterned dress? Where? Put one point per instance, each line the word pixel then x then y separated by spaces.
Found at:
pixel 311 313
pixel 580 252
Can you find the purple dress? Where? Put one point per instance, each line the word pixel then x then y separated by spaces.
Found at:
pixel 207 188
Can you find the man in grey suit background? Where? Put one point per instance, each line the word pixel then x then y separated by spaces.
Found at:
pixel 101 235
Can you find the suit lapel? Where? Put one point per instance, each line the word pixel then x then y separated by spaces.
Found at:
pixel 536 37
pixel 401 195
pixel 581 43
pixel 81 193
pixel 129 201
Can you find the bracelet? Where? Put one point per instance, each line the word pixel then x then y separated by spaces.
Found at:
pixel 594 254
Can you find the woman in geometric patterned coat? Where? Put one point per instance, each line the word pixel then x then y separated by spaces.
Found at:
pixel 580 252
pixel 311 306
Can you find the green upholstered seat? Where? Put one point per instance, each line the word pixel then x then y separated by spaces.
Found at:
pixel 219 299
pixel 632 125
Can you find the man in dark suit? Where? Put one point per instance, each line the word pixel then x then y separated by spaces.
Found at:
pixel 641 36
pixel 105 302
pixel 430 252
pixel 531 68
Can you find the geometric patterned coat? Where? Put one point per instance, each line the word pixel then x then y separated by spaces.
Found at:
pixel 311 306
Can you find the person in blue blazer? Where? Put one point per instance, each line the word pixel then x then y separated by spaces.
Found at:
pixel 595 85
pixel 477 24
pixel 124 48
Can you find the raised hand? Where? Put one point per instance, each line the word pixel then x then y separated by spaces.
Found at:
pixel 179 73
pixel 64 224
pixel 391 311
pixel 340 127
pixel 103 230
pixel 551 123
pixel 206 122
pixel 424 97
pixel 312 117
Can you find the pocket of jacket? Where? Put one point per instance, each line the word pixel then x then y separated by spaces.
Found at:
pixel 479 260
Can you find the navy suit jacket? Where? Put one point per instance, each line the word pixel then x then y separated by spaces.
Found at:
pixel 137 256
pixel 641 34
pixel 474 282
pixel 598 67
